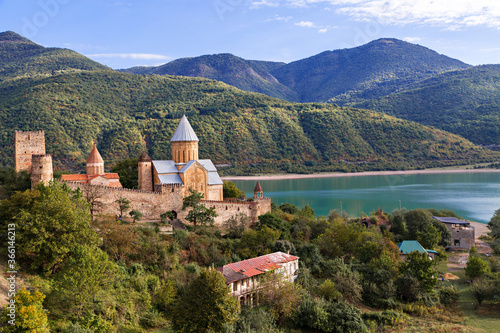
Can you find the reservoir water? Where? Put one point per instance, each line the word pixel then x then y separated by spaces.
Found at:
pixel 473 196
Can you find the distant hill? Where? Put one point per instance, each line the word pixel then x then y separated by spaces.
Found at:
pixel 246 75
pixel 369 71
pixel 343 77
pixel 464 102
pixel 20 57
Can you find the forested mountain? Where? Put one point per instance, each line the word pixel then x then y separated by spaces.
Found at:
pixel 20 57
pixel 80 103
pixel 342 76
pixel 464 102
pixel 372 70
pixel 246 75
pixel 126 114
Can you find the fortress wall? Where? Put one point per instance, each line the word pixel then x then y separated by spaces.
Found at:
pixel 150 204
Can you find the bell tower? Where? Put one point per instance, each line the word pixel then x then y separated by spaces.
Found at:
pixel 184 143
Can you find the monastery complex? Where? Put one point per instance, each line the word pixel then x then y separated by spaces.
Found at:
pixel 162 184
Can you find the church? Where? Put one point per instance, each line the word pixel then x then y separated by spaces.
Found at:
pixel 184 169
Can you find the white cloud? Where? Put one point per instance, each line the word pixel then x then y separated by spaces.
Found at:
pixel 280 18
pixel 412 39
pixel 135 56
pixel 308 24
pixel 264 3
pixel 452 15
pixel 305 24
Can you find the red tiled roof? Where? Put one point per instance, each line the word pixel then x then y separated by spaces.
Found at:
pixel 255 266
pixel 85 178
pixel 75 178
pixel 257 188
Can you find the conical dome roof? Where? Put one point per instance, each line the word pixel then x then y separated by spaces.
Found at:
pixel 257 188
pixel 144 157
pixel 95 157
pixel 184 131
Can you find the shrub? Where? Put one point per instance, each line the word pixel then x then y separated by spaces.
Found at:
pixel 448 295
pixel 386 318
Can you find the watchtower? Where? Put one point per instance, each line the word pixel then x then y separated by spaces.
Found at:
pixel 145 173
pixel 41 169
pixel 27 144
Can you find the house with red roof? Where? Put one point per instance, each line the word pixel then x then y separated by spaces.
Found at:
pixel 243 276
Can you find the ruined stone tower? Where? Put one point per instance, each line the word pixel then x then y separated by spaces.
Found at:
pixel 41 169
pixel 95 163
pixel 27 144
pixel 145 173
pixel 184 143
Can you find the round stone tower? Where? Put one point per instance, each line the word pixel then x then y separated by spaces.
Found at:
pixel 184 143
pixel 41 169
pixel 145 173
pixel 95 163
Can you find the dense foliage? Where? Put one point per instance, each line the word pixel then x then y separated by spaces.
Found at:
pixel 463 102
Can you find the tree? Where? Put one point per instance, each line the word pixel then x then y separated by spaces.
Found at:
pixel 119 240
pixel 419 265
pixel 476 267
pixel 83 286
pixel 206 304
pixel 123 205
pixel 229 190
pixel 199 213
pixel 255 243
pixel 483 289
pixel 235 225
pixel 12 181
pixel 128 172
pixel 421 228
pixel 93 195
pixel 281 295
pixel 494 225
pixel 29 315
pixel 135 214
pixel 49 222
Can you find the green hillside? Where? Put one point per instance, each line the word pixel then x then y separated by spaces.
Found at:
pixel 365 72
pixel 20 57
pixel 126 114
pixel 246 75
pixel 464 102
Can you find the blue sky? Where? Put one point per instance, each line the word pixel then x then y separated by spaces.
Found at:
pixel 122 34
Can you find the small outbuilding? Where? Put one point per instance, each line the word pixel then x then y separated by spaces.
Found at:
pixel 462 233
pixel 408 246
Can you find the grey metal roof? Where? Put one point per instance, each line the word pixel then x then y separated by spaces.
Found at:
pixel 207 164
pixel 187 166
pixel 184 131
pixel 170 179
pixel 214 179
pixel 452 220
pixel 165 167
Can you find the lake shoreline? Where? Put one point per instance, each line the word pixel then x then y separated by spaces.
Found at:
pixel 358 174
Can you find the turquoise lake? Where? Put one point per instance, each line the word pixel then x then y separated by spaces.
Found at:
pixel 473 196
